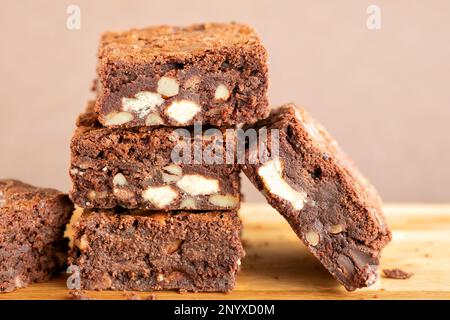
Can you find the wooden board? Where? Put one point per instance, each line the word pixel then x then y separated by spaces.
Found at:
pixel 278 266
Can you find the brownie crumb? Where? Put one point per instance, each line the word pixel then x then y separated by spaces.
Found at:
pixel 182 291
pixel 397 274
pixel 79 295
pixel 153 296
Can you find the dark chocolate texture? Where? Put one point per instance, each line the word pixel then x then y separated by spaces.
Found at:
pixel 147 250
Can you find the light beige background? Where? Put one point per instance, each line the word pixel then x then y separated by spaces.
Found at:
pixel 383 94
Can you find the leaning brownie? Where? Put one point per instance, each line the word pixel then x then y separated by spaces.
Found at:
pixel 32 223
pixel 211 73
pixel 331 207
pixel 148 250
pixel 150 168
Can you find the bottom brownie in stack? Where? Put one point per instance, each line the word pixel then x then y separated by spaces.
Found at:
pixel 146 250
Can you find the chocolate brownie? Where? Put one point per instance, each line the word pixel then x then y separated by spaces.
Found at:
pixel 32 222
pixel 134 168
pixel 328 203
pixel 211 73
pixel 156 250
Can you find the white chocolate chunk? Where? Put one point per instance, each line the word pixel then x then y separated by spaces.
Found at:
pixel 142 103
pixel 312 237
pixel 153 119
pixel 195 184
pixel 188 203
pixel 182 111
pixel 224 200
pixel 168 87
pixel 222 93
pixel 160 196
pixel 117 118
pixel 271 174
pixel 120 180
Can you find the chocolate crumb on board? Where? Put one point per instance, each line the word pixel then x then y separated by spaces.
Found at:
pixel 153 296
pixel 397 274
pixel 79 295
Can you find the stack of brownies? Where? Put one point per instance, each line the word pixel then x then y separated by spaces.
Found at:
pixel 156 215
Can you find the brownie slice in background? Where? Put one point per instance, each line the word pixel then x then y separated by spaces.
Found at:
pixel 212 73
pixel 32 223
pixel 328 203
pixel 147 250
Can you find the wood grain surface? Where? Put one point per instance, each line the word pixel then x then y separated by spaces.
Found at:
pixel 278 266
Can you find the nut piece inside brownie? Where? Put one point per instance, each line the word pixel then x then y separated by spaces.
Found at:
pixel 135 169
pixel 327 202
pixel 148 250
pixel 32 223
pixel 211 73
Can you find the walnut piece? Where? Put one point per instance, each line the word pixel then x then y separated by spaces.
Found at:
pixel 312 237
pixel 271 174
pixel 188 203
pixel 222 93
pixel 195 184
pixel 336 228
pixel 117 118
pixel 225 201
pixel 168 87
pixel 143 103
pixel 182 111
pixel 153 119
pixel 120 180
pixel 160 196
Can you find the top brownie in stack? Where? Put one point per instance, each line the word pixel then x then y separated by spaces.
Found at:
pixel 210 73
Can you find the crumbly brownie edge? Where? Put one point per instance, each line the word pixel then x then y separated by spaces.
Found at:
pixel 338 218
pixel 32 223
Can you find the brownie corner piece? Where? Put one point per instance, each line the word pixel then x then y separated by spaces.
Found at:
pixel 32 224
pixel 146 250
pixel 323 196
pixel 214 73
